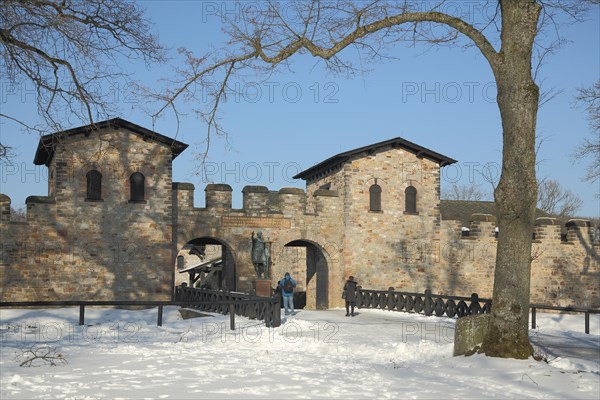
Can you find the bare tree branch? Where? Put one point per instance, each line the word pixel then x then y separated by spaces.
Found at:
pixel 468 192
pixel 324 30
pixel 38 355
pixel 590 147
pixel 71 52
pixel 556 201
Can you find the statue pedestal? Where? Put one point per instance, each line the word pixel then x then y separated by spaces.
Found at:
pixel 262 287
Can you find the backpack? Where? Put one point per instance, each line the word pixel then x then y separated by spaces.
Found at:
pixel 288 286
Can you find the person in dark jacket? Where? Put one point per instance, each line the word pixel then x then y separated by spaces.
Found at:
pixel 287 293
pixel 350 296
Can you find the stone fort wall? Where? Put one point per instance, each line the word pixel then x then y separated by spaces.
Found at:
pixel 73 249
pixel 414 251
pixel 287 226
pixel 42 260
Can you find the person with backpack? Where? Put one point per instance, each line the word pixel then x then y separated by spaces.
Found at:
pixel 349 295
pixel 287 285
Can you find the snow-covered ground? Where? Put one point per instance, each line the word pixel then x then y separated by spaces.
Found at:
pixel 315 354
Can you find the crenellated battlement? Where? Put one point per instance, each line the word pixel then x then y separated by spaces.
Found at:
pixel 183 194
pixel 292 201
pixel 546 230
pixel 580 231
pixel 481 226
pixel 218 196
pixel 258 200
pixel 40 209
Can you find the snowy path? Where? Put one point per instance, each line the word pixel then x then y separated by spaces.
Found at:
pixel 315 354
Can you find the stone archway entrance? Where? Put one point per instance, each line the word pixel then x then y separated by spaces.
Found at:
pixel 311 267
pixel 206 262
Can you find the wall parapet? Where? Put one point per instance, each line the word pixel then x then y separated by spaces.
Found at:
pixel 579 230
pixel 218 196
pixel 4 207
pixel 255 189
pixel 482 225
pixel 292 201
pixel 577 223
pixel 183 186
pixel 257 200
pixel 183 194
pixel 41 208
pixel 546 221
pixel 218 187
pixel 292 190
pixel 40 200
pixel 547 228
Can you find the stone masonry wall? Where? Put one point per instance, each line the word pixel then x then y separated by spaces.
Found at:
pixel 417 252
pixel 286 226
pixel 71 248
pixel 375 241
pixel 565 273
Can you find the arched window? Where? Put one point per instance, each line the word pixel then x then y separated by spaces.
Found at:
pixel 375 198
pixel 136 183
pixel 410 200
pixel 94 185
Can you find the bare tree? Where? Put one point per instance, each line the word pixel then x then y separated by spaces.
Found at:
pixel 266 41
pixel 469 192
pixel 555 200
pixel 590 147
pixel 69 52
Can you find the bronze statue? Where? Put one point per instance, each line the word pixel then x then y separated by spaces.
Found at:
pixel 260 256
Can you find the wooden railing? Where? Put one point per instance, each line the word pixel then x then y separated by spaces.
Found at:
pixel 425 303
pixel 262 308
pixel 449 306
pixel 253 307
pixel 586 311
pixel 269 308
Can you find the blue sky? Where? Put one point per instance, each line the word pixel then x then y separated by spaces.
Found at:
pixel 442 98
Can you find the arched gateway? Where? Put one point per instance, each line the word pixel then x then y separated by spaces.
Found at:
pixel 206 262
pixel 312 269
pixel 219 255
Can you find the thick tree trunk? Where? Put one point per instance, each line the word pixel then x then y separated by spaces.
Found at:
pixel 516 194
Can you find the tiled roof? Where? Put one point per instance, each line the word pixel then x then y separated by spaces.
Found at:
pixel 47 143
pixel 338 159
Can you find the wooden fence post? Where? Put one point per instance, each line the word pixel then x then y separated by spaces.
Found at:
pixel 587 322
pixel 427 304
pixel 81 314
